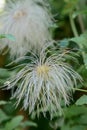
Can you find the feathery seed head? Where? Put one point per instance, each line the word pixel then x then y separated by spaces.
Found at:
pixel 29 23
pixel 43 83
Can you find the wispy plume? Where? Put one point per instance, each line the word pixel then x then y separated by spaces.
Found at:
pixel 28 21
pixel 43 82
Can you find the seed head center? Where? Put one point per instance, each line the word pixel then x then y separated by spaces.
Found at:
pixel 19 14
pixel 43 70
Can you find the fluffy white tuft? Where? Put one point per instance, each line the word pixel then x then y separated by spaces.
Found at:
pixel 28 21
pixel 43 83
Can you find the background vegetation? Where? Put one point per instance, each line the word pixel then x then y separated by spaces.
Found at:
pixel 70 30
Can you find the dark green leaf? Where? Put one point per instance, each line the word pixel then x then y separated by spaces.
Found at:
pixel 82 100
pixel 15 122
pixel 3 116
pixel 73 111
pixel 82 43
pixel 28 123
pixel 69 6
pixel 4 73
pixel 78 127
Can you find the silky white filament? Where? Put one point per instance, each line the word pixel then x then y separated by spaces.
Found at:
pixel 29 22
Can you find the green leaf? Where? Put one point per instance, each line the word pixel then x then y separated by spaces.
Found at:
pixel 10 107
pixel 78 127
pixel 28 123
pixel 3 102
pixel 2 36
pixel 76 13
pixel 15 122
pixel 3 116
pixel 82 43
pixel 74 111
pixel 65 127
pixel 2 81
pixel 82 100
pixel 8 36
pixel 81 120
pixel 69 6
pixel 4 73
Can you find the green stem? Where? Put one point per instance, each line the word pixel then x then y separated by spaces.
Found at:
pixel 73 26
pixel 82 90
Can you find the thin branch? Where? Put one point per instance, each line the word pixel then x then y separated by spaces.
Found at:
pixel 73 26
pixel 78 89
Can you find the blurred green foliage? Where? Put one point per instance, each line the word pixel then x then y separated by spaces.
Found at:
pixel 11 121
